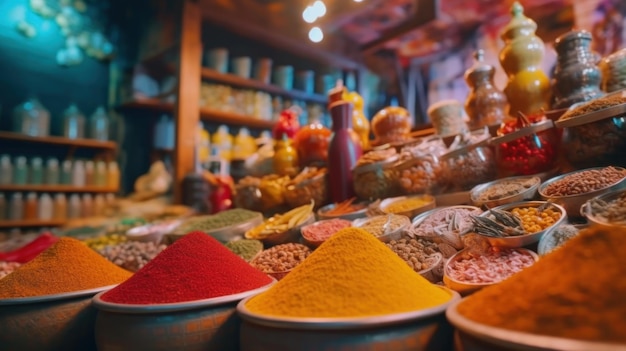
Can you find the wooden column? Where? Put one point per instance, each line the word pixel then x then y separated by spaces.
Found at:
pixel 187 111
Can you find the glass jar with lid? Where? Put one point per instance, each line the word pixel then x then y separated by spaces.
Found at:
pixel 31 118
pixel 99 125
pixel 469 161
pixel 73 123
pixel 374 175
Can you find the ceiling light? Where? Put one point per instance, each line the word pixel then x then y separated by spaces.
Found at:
pixel 316 35
pixel 309 15
pixel 319 7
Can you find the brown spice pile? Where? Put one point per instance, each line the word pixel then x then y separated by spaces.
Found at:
pixel 575 292
pixel 595 105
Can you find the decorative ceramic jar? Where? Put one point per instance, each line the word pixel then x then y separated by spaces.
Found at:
pixel 528 87
pixel 577 78
pixel 485 105
pixel 614 71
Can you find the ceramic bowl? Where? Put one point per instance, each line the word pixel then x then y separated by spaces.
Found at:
pixel 474 336
pixel 350 216
pixel 418 330
pixel 524 195
pixel 528 239
pixel 313 243
pixel 410 212
pixel 465 288
pixel 209 324
pixel 51 322
pixel 588 212
pixel 572 203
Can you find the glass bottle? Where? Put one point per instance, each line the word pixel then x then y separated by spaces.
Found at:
pixel 20 171
pixel 73 123
pixel 30 206
pixel 98 205
pixel 45 209
pixel 36 171
pixel 60 207
pixel 113 176
pixel 101 174
pixel 31 118
pixel 16 208
pixel 66 173
pixel 53 176
pixel 99 125
pixel 89 174
pixel 6 170
pixel 485 104
pixel 343 152
pixel 78 173
pixel 74 207
pixel 528 87
pixel 360 123
pixel 87 206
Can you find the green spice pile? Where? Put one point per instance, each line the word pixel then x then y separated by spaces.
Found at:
pixel 217 221
pixel 246 248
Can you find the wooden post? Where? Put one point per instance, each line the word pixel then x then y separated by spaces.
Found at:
pixel 187 111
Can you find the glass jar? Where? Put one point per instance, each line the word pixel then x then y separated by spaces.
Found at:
pixel 248 194
pixel 529 150
pixel 99 125
pixel 31 118
pixel 420 175
pixel 469 163
pixel 73 123
pixel 312 142
pixel 376 180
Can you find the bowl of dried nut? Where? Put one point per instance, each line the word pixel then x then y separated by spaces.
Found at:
pixel 518 224
pixel 385 227
pixel 279 260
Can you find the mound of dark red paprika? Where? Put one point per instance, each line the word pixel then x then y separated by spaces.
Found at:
pixel 195 267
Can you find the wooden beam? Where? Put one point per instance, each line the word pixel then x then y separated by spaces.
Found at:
pixel 187 113
pixel 427 10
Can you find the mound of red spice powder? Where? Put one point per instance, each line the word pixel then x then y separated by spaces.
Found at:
pixel 195 267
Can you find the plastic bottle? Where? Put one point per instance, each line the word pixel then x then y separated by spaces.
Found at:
pixel 98 205
pixel 66 173
pixel 87 206
pixel 53 174
pixel 74 207
pixel 30 206
pixel 343 152
pixel 99 125
pixel 60 207
pixel 90 179
pixel 101 174
pixel 73 123
pixel 223 142
pixel 20 171
pixel 3 207
pixel 113 176
pixel 6 170
pixel 78 174
pixel 45 209
pixel 36 171
pixel 16 207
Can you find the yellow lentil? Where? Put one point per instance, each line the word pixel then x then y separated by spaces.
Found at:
pixel 534 221
pixel 407 204
pixel 352 274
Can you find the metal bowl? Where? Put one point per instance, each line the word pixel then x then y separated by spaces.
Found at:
pixel 587 211
pixel 235 231
pixel 210 324
pixel 547 245
pixel 512 242
pixel 473 336
pixel 572 203
pixel 310 242
pixel 465 288
pixel 395 234
pixel 152 232
pixel 424 330
pixel 321 213
pixel 526 194
pixel 50 322
pixel 411 213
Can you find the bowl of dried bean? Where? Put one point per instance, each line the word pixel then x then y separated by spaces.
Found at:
pixel 468 270
pixel 504 191
pixel 386 227
pixel 313 235
pixel 572 190
pixel 279 260
pixel 409 206
pixel 518 224
pixel 421 255
pixel 607 209
pixel 348 210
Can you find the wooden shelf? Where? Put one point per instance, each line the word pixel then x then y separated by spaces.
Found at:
pixel 147 104
pixel 234 80
pixel 56 188
pixel 56 140
pixel 215 116
pixel 32 223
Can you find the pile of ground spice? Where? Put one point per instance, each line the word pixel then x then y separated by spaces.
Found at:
pixel 596 105
pixel 352 274
pixel 195 267
pixel 67 266
pixel 575 292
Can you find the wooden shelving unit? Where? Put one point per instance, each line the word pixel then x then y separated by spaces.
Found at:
pixel 31 223
pixel 56 140
pixel 56 188
pixel 231 79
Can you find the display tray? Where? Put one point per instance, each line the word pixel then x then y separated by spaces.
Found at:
pixel 594 116
pixel 173 307
pixel 54 297
pixel 342 323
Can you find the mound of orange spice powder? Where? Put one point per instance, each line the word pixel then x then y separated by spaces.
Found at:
pixel 67 266
pixel 577 291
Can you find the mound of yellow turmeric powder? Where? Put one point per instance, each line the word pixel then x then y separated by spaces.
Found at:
pixel 352 274
pixel 67 266
pixel 577 292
